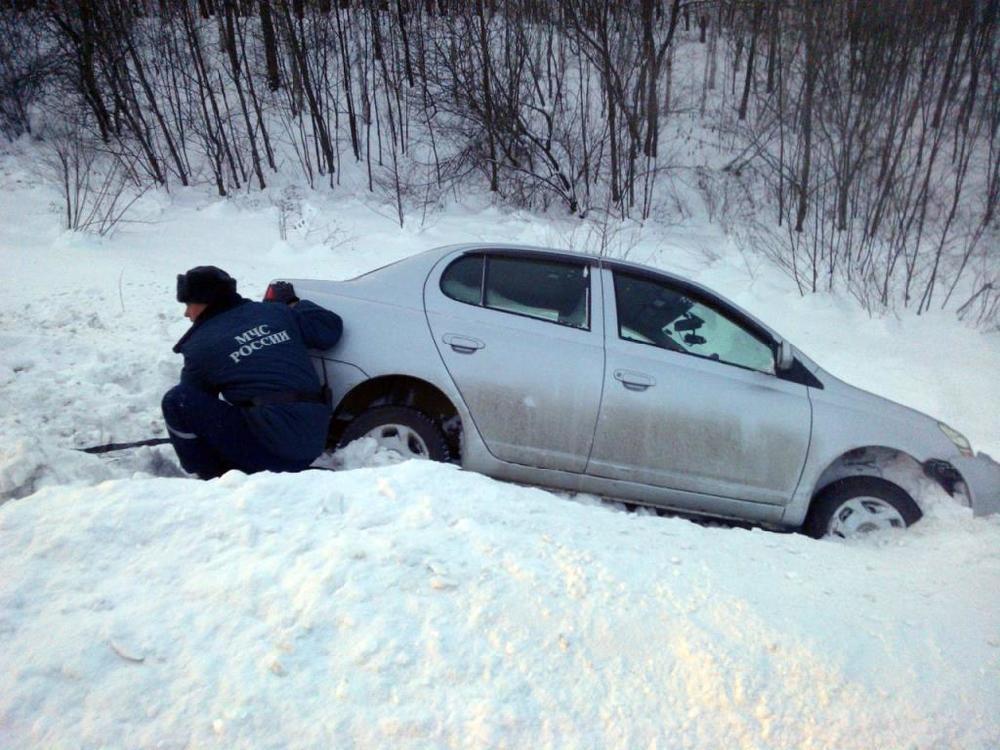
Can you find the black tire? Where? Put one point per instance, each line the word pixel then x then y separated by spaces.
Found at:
pixel 834 501
pixel 425 438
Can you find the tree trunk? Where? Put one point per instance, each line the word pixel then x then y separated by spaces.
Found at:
pixel 270 45
pixel 811 74
pixel 758 13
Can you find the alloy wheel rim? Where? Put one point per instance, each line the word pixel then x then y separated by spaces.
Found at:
pixel 863 515
pixel 401 439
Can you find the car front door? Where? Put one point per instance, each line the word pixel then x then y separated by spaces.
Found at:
pixel 523 344
pixel 691 399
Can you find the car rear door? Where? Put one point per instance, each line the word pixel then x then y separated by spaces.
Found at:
pixel 522 337
pixel 691 401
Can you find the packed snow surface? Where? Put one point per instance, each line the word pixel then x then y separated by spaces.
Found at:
pixel 421 606
pixel 417 605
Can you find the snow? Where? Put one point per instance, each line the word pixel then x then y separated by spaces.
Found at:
pixel 422 606
pixel 417 605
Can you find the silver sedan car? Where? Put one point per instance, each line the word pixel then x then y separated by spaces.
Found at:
pixel 594 375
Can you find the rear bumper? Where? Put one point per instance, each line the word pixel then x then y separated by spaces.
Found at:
pixel 980 476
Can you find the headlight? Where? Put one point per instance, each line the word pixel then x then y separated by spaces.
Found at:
pixel 961 442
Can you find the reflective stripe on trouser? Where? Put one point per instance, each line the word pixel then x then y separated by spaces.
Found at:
pixel 211 436
pixel 182 435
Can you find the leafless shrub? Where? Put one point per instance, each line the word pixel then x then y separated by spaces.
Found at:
pixel 299 219
pixel 97 187
pixel 600 233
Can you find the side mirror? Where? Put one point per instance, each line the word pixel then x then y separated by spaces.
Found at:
pixel 785 359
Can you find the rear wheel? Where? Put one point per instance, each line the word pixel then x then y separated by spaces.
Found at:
pixel 409 432
pixel 856 506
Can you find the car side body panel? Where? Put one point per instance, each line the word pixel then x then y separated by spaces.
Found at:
pixel 386 334
pixel 384 322
pixel 340 377
pixel 846 419
pixel 532 387
pixel 697 425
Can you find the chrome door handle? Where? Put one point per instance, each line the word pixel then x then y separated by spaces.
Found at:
pixel 463 344
pixel 634 381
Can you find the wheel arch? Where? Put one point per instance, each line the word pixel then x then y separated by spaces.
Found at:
pixel 399 390
pixel 880 461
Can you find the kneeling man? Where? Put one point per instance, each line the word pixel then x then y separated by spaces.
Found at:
pixel 274 416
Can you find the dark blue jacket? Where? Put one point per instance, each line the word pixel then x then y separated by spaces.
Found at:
pixel 252 349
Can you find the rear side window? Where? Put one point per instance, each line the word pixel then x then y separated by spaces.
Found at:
pixel 556 291
pixel 464 280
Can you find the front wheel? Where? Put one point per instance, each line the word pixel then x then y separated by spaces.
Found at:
pixel 859 505
pixel 408 432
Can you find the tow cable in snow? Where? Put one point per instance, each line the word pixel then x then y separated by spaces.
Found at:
pixel 123 446
pixel 158 441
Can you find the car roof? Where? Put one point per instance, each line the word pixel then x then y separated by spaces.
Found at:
pixel 600 260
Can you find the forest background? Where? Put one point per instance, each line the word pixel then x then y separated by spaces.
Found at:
pixel 855 144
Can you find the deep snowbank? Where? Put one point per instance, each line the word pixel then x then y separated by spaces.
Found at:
pixel 421 606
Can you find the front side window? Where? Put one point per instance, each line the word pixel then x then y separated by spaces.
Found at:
pixel 555 291
pixel 653 312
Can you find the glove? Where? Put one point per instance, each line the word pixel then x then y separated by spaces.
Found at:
pixel 281 291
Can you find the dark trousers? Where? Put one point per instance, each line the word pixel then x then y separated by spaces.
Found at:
pixel 211 436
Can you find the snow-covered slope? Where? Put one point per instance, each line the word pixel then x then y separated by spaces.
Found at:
pixel 420 606
pixel 416 605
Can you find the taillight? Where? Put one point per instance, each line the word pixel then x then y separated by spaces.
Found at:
pixel 270 295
